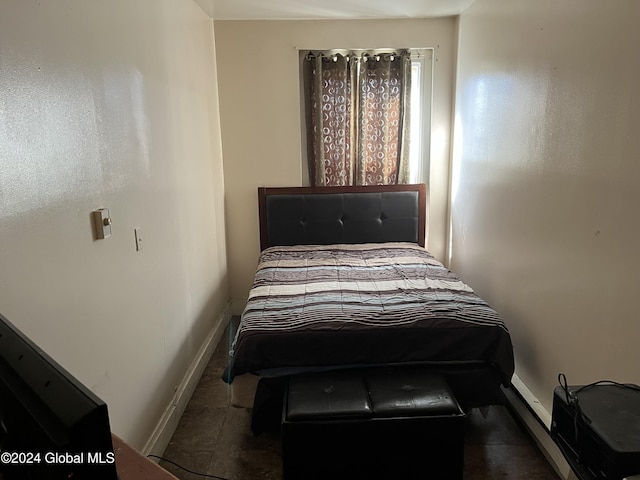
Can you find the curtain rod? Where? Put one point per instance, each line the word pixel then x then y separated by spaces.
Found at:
pixel 415 52
pixel 380 50
pixel 356 51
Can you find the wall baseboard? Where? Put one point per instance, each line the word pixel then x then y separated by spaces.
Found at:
pixel 168 423
pixel 537 421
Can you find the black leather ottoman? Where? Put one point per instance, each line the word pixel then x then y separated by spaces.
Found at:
pixel 386 423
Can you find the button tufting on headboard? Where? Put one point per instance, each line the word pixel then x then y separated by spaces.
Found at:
pixel 328 215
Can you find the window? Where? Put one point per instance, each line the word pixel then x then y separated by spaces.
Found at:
pixel 421 92
pixel 367 116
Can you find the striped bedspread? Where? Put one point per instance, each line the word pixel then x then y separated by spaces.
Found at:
pixel 367 304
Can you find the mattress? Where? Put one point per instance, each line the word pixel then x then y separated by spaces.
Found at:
pixel 335 306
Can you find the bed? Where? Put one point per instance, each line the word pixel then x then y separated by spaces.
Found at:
pixel 344 281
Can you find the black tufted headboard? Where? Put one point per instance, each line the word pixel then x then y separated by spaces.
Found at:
pixel 329 215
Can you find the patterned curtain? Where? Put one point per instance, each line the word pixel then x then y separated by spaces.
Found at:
pixel 357 117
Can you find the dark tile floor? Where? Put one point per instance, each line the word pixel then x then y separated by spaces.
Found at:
pixel 214 438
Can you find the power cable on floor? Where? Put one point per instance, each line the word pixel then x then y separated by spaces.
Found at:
pixel 186 469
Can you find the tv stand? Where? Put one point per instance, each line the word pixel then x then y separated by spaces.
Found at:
pixel 132 465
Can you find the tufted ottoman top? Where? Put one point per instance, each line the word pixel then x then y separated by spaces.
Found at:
pixel 330 395
pixel 407 392
pixel 383 392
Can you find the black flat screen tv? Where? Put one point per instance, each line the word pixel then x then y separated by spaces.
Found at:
pixel 52 427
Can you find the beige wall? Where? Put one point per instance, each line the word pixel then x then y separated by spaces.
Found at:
pixel 260 111
pixel 112 104
pixel 546 182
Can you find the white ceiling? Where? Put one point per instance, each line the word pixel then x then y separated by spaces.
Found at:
pixel 330 9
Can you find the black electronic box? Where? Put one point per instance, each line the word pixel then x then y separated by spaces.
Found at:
pixel 597 427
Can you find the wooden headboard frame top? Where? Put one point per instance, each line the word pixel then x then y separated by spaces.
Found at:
pixel 353 214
